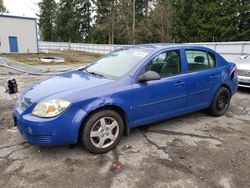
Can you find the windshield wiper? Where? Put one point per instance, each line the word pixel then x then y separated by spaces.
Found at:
pixel 94 73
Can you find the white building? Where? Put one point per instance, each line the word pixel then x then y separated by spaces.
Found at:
pixel 18 34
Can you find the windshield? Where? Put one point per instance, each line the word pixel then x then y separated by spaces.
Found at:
pixel 118 63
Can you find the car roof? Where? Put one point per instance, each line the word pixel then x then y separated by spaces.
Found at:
pixel 166 46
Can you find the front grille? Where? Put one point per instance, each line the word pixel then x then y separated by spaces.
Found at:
pixel 243 83
pixel 38 139
pixel 243 73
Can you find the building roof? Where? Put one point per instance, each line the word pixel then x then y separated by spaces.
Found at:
pixel 16 17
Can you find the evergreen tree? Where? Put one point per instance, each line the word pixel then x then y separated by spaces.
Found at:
pixel 187 20
pixel 145 21
pixel 2 7
pixel 103 31
pixel 206 20
pixel 120 21
pixel 73 20
pixel 243 20
pixel 156 27
pixel 47 19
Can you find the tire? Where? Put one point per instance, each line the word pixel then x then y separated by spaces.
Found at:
pixel 220 102
pixel 102 131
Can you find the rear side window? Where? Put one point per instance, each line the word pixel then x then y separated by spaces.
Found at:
pixel 200 60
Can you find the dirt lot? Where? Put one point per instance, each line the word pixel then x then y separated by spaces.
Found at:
pixel 194 150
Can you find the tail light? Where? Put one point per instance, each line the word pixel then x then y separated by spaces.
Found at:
pixel 233 71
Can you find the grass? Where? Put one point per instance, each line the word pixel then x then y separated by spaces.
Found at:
pixel 71 57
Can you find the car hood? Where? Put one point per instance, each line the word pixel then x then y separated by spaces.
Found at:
pixel 243 65
pixel 63 83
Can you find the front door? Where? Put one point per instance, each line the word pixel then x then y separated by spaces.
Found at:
pixel 162 98
pixel 13 44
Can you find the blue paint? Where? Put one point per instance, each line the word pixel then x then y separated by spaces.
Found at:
pixel 142 103
pixel 13 44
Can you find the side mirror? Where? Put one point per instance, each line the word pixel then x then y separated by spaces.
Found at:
pixel 148 76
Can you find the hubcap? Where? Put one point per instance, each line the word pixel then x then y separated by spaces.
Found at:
pixel 104 132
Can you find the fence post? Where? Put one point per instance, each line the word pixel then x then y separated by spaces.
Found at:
pixel 242 49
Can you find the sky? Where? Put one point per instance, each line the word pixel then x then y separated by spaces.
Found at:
pixel 27 8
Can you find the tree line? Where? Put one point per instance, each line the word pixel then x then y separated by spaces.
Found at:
pixel 2 7
pixel 144 21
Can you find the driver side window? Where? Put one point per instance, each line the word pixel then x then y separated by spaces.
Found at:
pixel 166 64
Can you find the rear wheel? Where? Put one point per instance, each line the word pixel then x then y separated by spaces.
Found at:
pixel 220 102
pixel 102 131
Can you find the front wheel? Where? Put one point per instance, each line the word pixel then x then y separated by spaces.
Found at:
pixel 220 102
pixel 102 131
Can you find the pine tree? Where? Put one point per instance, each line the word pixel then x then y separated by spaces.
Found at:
pixel 82 14
pixel 244 20
pixel 47 19
pixel 2 7
pixel 155 27
pixel 206 20
pixel 103 31
pixel 120 22
pixel 73 20
pixel 184 27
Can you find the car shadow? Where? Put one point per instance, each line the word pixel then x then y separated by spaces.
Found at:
pixel 169 122
pixel 244 90
pixel 78 148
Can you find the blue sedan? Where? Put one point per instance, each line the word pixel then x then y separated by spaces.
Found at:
pixel 129 87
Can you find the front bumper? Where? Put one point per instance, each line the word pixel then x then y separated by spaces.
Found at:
pixel 244 81
pixel 59 130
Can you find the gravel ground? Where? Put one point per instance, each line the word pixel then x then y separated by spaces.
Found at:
pixel 195 150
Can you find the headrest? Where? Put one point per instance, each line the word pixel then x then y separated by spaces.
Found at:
pixel 199 59
pixel 173 60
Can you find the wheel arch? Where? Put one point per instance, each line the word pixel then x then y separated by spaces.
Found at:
pixel 217 89
pixel 115 108
pixel 226 86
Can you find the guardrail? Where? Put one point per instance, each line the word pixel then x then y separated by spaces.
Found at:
pixel 229 50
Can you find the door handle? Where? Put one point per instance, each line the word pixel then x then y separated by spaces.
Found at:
pixel 179 84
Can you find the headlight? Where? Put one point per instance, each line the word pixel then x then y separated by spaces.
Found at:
pixel 50 108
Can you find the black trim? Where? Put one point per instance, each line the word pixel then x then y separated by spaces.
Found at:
pixel 17 17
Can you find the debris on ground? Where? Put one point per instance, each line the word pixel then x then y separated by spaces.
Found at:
pixel 116 166
pixel 52 60
pixel 131 149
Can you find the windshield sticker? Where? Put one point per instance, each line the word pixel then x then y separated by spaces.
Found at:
pixel 140 54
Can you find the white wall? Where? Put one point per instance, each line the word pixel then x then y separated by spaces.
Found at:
pixel 229 50
pixel 23 29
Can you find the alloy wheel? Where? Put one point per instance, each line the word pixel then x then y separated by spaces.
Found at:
pixel 104 132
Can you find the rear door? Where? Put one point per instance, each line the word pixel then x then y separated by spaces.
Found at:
pixel 202 77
